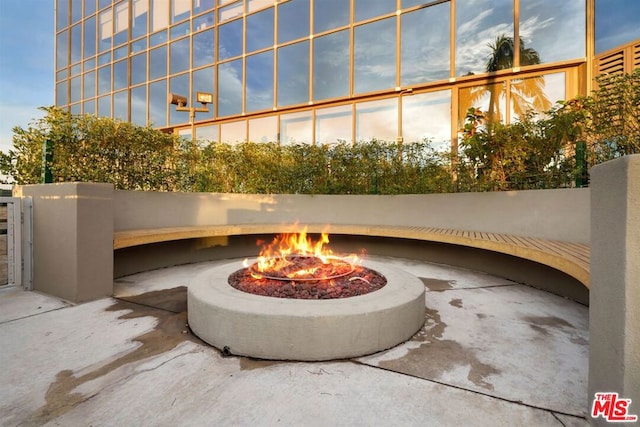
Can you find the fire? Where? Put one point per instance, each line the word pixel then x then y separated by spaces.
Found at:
pixel 282 258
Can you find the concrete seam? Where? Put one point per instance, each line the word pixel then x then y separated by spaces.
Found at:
pixel 518 402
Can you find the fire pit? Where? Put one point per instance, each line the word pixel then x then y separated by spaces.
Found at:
pixel 296 302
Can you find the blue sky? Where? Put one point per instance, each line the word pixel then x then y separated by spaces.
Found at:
pixel 26 63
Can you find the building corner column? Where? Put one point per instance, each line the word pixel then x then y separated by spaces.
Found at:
pixel 614 312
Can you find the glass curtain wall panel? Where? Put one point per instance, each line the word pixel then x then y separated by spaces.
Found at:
pixel 203 48
pixel 104 106
pixel 479 25
pixel 76 89
pixel 334 125
pixel 426 117
pixel 293 20
pixel 89 37
pixel 76 10
pixel 121 23
pixel 104 80
pixel 159 15
pixel 62 14
pixel 89 107
pixel 139 16
pixel 179 85
pixel 538 93
pixel 89 7
pixel 139 68
pixel 331 65
pixel 62 94
pixel 202 5
pixel 121 105
pixel 105 30
pixel 230 11
pixel 230 88
pixel 203 22
pixel 257 4
pixel 89 85
pixel 158 103
pixel 293 74
pixel 158 62
pixel 377 120
pixel 76 43
pixel 230 39
pixel 180 9
pixel 259 90
pixel 375 56
pixel 203 80
pixel 330 14
pixel 233 132
pixel 139 105
pixel 263 129
pixel 207 133
pixel 120 75
pixel 62 50
pixel 552 31
pixel 260 30
pixel 296 128
pixel 490 98
pixel 425 45
pixel 179 55
pixel 367 9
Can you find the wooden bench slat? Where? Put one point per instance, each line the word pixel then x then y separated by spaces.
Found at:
pixel 568 257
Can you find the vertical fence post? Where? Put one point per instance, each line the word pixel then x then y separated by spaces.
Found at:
pixel 47 159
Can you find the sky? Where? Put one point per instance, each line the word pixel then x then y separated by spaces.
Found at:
pixel 26 63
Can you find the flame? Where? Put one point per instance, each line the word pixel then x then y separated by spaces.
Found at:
pixel 279 254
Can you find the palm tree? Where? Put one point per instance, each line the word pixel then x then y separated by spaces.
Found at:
pixel 526 94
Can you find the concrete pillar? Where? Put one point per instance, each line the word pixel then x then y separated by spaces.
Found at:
pixel 72 239
pixel 614 312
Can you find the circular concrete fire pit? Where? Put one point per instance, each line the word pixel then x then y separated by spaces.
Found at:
pixel 244 324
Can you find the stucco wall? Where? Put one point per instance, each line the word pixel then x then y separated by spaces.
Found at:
pixel 72 239
pixel 562 214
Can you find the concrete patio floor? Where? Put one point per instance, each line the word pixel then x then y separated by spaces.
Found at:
pixel 492 352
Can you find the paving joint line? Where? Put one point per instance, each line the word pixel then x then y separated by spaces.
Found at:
pixel 517 402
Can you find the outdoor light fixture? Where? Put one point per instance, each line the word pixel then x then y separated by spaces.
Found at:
pixel 204 98
pixel 180 102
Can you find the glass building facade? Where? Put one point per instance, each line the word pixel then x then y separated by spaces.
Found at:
pixel 326 71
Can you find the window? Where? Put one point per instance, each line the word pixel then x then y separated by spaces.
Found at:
pixel 230 88
pixel 296 128
pixel 375 56
pixel 293 11
pixel 427 116
pixel 333 125
pixel 424 53
pixel 478 24
pixel 377 120
pixel 293 74
pixel 259 93
pixel 331 65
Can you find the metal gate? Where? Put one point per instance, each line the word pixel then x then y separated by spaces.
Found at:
pixel 16 242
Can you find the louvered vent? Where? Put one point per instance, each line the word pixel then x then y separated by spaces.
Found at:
pixel 613 63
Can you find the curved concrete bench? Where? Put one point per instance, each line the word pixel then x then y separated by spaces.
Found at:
pixel 569 258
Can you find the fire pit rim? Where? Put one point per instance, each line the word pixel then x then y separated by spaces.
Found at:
pixel 300 329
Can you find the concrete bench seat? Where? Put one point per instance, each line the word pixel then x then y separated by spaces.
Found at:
pixel 566 257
